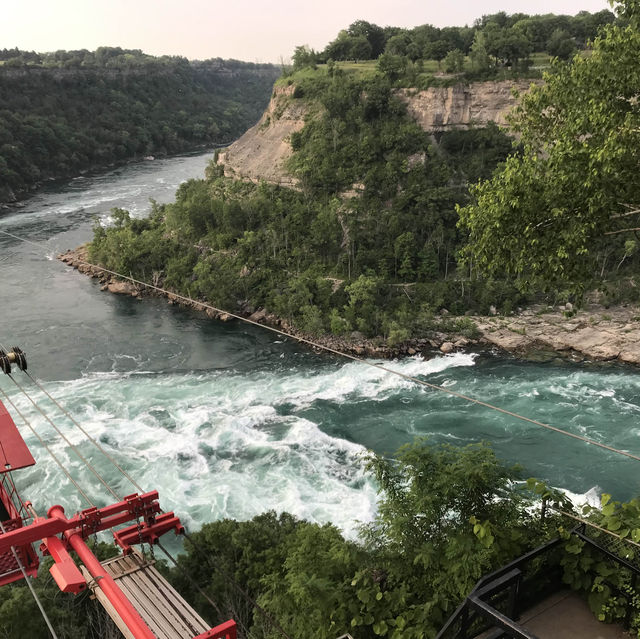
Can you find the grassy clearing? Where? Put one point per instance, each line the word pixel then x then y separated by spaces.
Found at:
pixel 425 72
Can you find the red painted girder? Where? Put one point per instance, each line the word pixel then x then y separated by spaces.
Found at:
pixel 87 522
pixel 64 571
pixel 105 582
pixel 14 453
pixel 226 630
pixel 147 532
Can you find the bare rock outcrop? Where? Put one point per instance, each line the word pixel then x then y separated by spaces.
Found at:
pixel 463 105
pixel 595 333
pixel 262 152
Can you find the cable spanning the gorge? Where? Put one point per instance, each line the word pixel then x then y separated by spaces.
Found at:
pixel 47 448
pixel 328 349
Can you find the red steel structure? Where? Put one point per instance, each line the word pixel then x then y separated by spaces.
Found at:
pixel 59 534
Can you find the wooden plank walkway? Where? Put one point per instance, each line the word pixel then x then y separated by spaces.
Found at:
pixel 160 606
pixel 567 616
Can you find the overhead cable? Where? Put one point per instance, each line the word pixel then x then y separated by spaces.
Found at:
pixel 44 444
pixel 86 462
pixel 354 358
pixel 89 437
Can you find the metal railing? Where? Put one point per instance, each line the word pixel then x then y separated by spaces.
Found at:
pixel 499 598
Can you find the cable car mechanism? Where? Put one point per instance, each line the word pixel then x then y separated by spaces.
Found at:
pixel 146 607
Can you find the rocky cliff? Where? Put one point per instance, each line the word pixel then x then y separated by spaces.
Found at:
pixel 463 105
pixel 261 153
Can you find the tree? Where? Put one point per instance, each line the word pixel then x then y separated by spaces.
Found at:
pixel 480 59
pixel 445 516
pixel 360 49
pixel 372 32
pixel 392 66
pixel 398 44
pixel 550 214
pixel 454 61
pixel 437 50
pixel 561 45
pixel 304 56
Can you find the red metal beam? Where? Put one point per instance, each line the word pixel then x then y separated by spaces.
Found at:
pixel 75 530
pixel 148 532
pixel 64 571
pixel 88 521
pixel 104 581
pixel 226 630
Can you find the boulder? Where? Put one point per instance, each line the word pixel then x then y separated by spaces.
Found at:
pixel 122 288
pixel 258 316
pixel 447 347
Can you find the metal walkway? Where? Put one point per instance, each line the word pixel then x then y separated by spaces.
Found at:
pixel 564 615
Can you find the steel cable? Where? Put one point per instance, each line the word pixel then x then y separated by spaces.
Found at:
pixel 86 462
pixel 34 594
pixel 53 455
pixel 89 437
pixel 354 358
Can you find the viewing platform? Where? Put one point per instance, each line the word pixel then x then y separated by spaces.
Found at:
pixel 565 615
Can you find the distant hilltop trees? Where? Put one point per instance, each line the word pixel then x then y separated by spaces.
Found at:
pixel 112 58
pixel 68 112
pixel 499 37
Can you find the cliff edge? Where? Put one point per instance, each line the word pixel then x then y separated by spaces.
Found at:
pixel 262 152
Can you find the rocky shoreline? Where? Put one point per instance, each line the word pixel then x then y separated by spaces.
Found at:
pixel 593 333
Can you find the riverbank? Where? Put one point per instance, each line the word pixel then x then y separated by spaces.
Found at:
pixel 593 333
pixel 10 199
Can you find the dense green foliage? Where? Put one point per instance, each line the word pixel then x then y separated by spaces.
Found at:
pixel 494 42
pixel 363 246
pixel 564 212
pixel 370 242
pixel 69 112
pixel 71 617
pixel 445 517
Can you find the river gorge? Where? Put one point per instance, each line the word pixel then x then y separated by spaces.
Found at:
pixel 228 420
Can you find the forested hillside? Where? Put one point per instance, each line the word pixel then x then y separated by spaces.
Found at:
pixel 69 112
pixel 446 516
pixel 371 242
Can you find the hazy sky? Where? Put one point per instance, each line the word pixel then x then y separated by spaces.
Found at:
pixel 252 30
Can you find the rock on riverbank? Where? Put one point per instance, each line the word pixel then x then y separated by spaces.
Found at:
pixel 594 333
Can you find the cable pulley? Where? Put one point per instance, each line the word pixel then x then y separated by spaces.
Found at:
pixel 15 356
pixel 19 357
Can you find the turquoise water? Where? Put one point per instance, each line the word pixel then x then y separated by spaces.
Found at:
pixel 228 420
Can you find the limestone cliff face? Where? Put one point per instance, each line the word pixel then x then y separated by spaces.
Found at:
pixel 461 106
pixel 261 153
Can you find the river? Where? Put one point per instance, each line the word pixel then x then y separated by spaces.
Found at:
pixel 227 420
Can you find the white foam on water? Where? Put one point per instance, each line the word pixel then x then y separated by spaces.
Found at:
pixel 589 498
pixel 216 445
pixel 353 381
